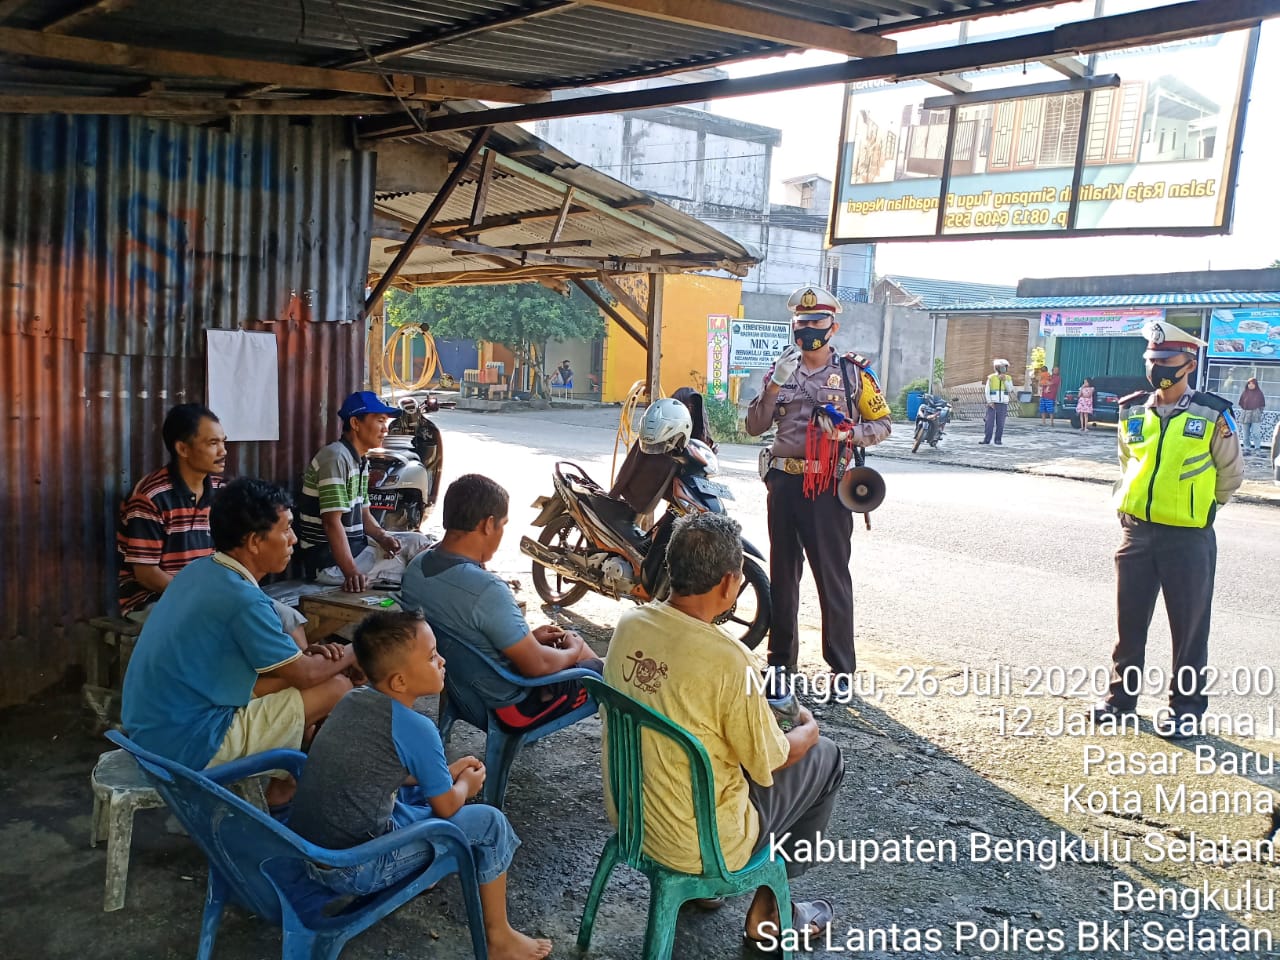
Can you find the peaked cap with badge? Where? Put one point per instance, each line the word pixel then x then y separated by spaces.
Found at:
pixel 1166 341
pixel 813 300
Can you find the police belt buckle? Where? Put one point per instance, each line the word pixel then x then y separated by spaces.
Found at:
pixel 796 466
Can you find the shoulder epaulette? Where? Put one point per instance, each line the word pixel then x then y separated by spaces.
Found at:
pixel 1135 397
pixel 1221 404
pixel 863 365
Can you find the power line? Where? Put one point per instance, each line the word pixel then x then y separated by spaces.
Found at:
pixel 657 163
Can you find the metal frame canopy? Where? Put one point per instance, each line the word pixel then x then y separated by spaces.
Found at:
pixel 513 208
pixel 349 57
pixel 354 58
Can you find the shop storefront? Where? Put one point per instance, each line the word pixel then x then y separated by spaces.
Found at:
pixel 1092 326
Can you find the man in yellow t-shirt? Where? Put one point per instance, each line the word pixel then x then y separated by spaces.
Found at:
pixel 771 788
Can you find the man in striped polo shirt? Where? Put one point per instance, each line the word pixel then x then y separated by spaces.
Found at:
pixel 335 523
pixel 164 524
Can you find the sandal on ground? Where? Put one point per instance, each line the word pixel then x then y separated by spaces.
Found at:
pixel 708 903
pixel 815 916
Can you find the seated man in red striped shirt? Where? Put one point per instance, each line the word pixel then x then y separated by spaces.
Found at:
pixel 164 525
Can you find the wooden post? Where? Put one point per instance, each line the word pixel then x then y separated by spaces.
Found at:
pixel 374 345
pixel 653 325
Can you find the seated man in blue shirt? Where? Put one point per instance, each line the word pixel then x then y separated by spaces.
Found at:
pixel 214 677
pixel 377 765
pixel 462 599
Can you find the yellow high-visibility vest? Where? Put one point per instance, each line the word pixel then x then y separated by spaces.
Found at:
pixel 1170 477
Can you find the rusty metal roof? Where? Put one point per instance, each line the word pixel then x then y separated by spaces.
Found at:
pixel 621 229
pixel 535 44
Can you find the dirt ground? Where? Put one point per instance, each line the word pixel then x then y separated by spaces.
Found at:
pixel 930 767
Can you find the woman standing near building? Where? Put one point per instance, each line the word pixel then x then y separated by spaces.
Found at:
pixel 1252 402
pixel 1084 403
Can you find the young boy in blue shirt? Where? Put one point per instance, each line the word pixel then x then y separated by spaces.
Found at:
pixel 377 765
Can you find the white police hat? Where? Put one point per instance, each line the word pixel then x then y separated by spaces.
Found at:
pixel 813 300
pixel 1165 341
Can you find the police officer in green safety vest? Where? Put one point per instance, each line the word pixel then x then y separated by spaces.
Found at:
pixel 1181 460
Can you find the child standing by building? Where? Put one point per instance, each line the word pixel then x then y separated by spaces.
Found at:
pixel 1084 403
pixel 377 765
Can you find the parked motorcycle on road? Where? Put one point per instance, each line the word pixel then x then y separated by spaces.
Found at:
pixel 590 539
pixel 931 420
pixel 404 473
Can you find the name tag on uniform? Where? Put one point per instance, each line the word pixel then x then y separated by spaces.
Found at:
pixel 1134 426
pixel 1195 427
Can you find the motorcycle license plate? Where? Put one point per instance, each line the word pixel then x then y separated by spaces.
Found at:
pixel 713 488
pixel 381 501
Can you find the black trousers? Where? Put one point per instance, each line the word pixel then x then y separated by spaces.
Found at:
pixel 1178 562
pixel 822 530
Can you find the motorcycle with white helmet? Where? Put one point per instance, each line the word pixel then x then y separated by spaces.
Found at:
pixel 591 539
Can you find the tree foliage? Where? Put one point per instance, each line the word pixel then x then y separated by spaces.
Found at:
pixel 517 315
pixel 512 314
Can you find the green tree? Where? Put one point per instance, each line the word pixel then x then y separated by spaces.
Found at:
pixel 520 316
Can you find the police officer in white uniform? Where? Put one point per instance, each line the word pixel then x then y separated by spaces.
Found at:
pixel 1181 462
pixel 809 453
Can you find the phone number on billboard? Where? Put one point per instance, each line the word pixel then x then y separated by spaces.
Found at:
pixel 997 218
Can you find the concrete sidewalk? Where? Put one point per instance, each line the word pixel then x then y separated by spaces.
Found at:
pixel 1061 451
pixel 1029 447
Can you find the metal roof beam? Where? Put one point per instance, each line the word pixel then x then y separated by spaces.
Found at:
pixel 1067 66
pixel 174 63
pixel 84 13
pixel 436 36
pixel 1158 25
pixel 753 22
pixel 433 208
pixel 952 83
pixel 678 262
pixel 168 106
pixel 591 201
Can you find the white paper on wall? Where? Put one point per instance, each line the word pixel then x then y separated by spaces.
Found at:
pixel 244 383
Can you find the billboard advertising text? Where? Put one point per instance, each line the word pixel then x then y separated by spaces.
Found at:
pixel 1097 322
pixel 1152 151
pixel 1244 335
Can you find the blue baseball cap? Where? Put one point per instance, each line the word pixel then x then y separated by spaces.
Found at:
pixel 362 402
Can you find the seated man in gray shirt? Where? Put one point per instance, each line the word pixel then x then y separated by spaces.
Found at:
pixel 463 600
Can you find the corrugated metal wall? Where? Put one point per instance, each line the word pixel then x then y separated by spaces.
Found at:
pixel 121 241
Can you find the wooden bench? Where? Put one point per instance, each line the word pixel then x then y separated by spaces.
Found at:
pixel 109 644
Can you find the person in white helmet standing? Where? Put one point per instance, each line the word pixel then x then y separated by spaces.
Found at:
pixel 1180 460
pixel 998 390
pixel 824 405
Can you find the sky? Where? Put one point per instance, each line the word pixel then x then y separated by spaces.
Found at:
pixel 810 124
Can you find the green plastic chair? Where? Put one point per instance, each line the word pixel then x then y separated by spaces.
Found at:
pixel 669 889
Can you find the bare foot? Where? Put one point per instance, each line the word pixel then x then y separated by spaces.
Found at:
pixel 514 945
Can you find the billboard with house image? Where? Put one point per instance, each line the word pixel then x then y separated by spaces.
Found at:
pixel 1149 147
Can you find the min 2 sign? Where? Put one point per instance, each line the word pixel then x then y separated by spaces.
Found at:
pixel 755 344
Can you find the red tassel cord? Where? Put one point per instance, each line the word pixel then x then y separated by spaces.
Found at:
pixel 824 451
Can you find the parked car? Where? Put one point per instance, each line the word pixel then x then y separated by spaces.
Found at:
pixel 1106 407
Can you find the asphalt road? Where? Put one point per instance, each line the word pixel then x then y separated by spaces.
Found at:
pixel 960 566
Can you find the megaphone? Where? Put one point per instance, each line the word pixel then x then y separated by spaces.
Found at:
pixel 861 490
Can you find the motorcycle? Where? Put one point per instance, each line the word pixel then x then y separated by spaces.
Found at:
pixel 931 420
pixel 591 541
pixel 404 473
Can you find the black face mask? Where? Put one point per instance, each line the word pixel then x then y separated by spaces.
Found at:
pixel 812 338
pixel 1162 376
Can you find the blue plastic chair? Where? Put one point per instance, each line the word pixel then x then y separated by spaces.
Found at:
pixel 625 720
pixel 464 699
pixel 260 865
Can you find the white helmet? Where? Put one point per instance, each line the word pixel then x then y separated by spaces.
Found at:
pixel 666 426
